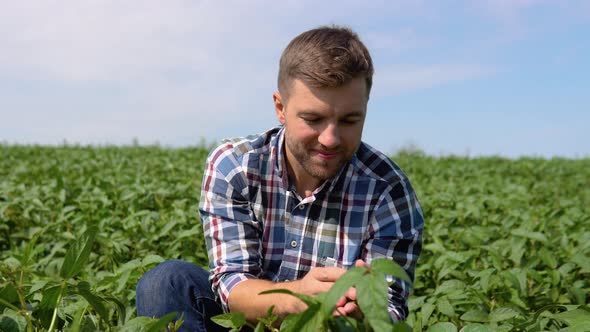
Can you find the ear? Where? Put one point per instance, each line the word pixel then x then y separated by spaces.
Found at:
pixel 279 107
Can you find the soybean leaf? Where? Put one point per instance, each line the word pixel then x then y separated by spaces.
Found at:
pixel 477 328
pixel 450 286
pixel 230 320
pixel 120 308
pixel 77 319
pixel 50 296
pixel 49 302
pixel 259 327
pixel 95 301
pixel 308 321
pixel 530 235
pixel 426 311
pixel 161 323
pixel 580 327
pixel 269 318
pixel 347 280
pixel 178 323
pixel 415 302
pixel 289 322
pixel 535 319
pixel 444 306
pixel 12 263
pixel 371 293
pixel 305 298
pixel 152 259
pixel 37 286
pixel 442 327
pixel 386 266
pixel 548 258
pixel 344 324
pixel 137 324
pixel 476 315
pixel 578 294
pixel 574 317
pixel 401 327
pixel 78 254
pixel 501 314
pixel 30 248
pixel 8 294
pixel 12 321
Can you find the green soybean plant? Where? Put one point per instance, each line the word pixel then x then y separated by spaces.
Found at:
pixel 372 289
pixel 50 303
pixel 41 306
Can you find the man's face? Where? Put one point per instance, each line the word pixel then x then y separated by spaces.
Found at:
pixel 323 128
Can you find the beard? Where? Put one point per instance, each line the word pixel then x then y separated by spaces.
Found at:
pixel 316 167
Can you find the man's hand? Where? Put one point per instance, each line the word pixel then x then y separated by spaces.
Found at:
pixel 244 297
pixel 346 305
pixel 317 280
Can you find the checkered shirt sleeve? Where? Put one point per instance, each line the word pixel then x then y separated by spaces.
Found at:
pixel 232 236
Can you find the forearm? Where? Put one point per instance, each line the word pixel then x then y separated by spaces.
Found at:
pixel 245 298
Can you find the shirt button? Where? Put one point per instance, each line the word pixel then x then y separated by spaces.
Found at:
pixel 301 207
pixel 293 243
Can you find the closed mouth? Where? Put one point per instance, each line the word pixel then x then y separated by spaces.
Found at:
pixel 326 154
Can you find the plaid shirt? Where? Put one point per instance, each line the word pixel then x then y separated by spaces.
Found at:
pixel 257 226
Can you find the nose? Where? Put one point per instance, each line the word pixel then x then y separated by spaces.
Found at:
pixel 330 137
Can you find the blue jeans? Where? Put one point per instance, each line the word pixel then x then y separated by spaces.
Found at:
pixel 182 287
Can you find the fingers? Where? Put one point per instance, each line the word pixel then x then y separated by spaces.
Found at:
pixel 351 294
pixel 319 280
pixel 327 274
pixel 331 274
pixel 360 263
pixel 348 309
pixel 347 303
pixel 341 301
pixel 322 287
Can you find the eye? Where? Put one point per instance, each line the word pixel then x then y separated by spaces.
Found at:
pixel 310 120
pixel 349 122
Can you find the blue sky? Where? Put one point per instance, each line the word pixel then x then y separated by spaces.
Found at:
pixel 508 78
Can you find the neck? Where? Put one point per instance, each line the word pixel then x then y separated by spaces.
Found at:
pixel 304 185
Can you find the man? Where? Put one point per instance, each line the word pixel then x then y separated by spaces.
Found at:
pixel 298 205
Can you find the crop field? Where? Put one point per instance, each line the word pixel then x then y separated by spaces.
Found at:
pixel 506 242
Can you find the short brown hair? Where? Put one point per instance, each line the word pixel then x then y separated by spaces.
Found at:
pixel 328 56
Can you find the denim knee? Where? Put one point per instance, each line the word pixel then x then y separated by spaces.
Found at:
pixel 178 286
pixel 169 275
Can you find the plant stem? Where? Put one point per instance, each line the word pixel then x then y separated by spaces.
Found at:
pixel 78 321
pixel 29 322
pixel 23 312
pixel 21 297
pixel 19 291
pixel 10 305
pixel 250 326
pixel 54 318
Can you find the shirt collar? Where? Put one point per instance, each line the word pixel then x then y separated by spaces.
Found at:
pixel 281 165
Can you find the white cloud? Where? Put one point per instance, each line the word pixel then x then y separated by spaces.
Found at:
pixel 395 42
pixel 112 70
pixel 182 68
pixel 396 79
pixel 171 66
pixel 113 40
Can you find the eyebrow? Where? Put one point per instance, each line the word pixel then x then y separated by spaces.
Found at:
pixel 318 114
